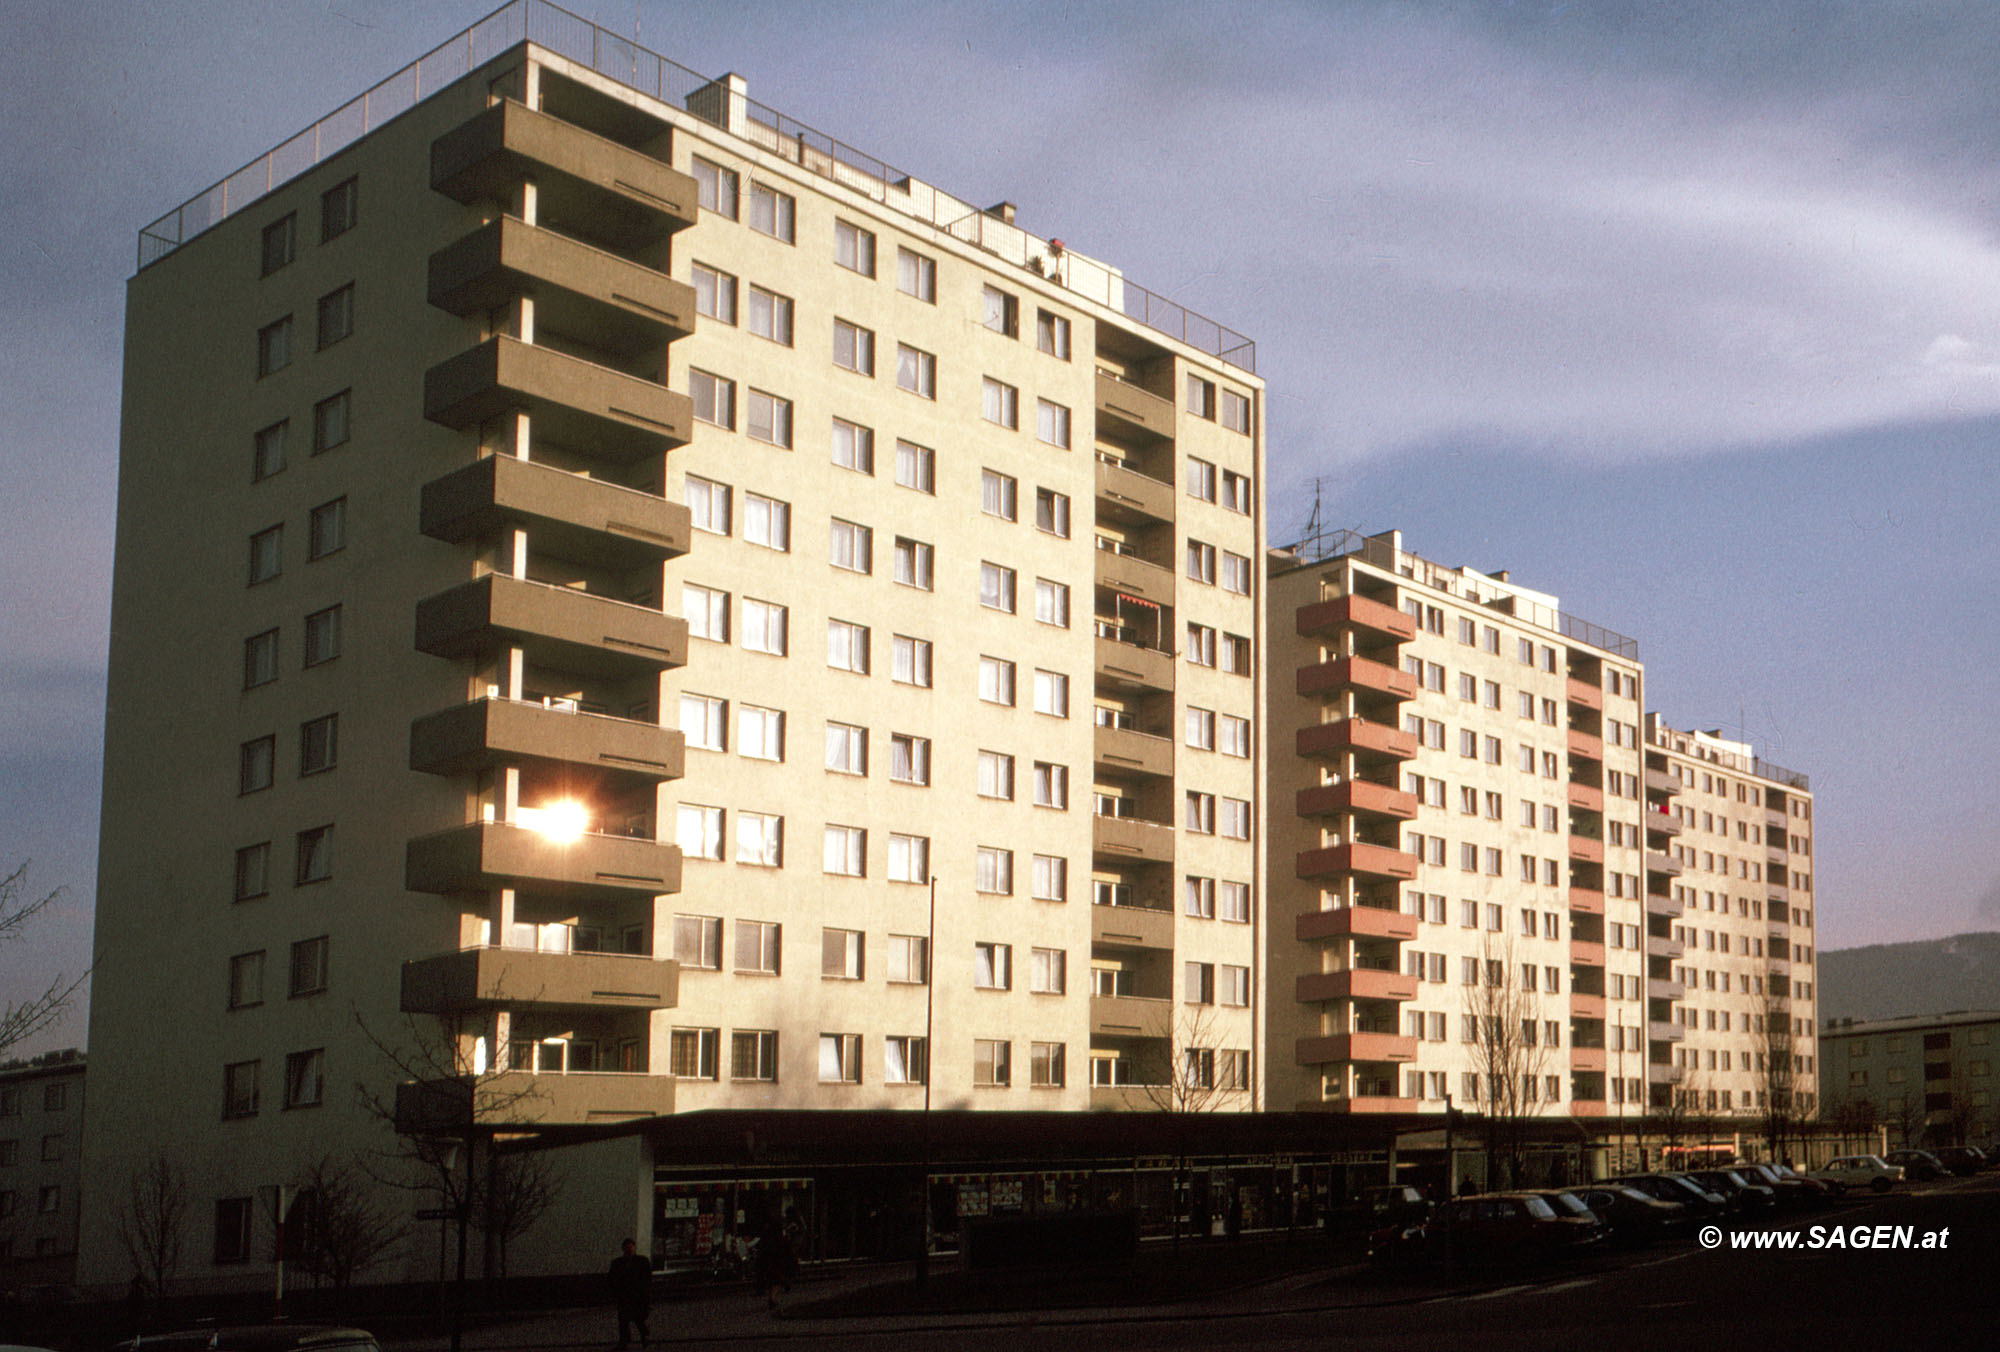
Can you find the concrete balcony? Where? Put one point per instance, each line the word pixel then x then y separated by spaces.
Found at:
pixel 1354 922
pixel 482 856
pixel 451 982
pixel 1356 983
pixel 1664 1030
pixel 559 626
pixel 1662 783
pixel 1362 1104
pixel 1658 946
pixel 1131 927
pixel 1358 796
pixel 1659 988
pixel 1135 577
pixel 1658 862
pixel 1583 953
pixel 1775 861
pixel 1373 861
pixel 1121 751
pixel 1357 673
pixel 1591 1107
pixel 1132 840
pixel 1127 413
pixel 1582 1006
pixel 585 185
pixel 1776 822
pixel 488 732
pixel 1586 901
pixel 1130 1098
pixel 1130 495
pixel 1584 694
pixel 567 515
pixel 1380 621
pixel 1586 1059
pixel 1661 823
pixel 1343 1047
pixel 1127 665
pixel 573 402
pixel 1586 798
pixel 1778 892
pixel 441 1107
pixel 1131 1016
pixel 1665 903
pixel 1358 735
pixel 1583 746
pixel 620 306
pixel 1659 1074
pixel 1586 849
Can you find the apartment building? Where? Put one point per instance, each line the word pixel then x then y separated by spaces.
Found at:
pixel 497 455
pixel 1732 834
pixel 41 1170
pixel 1926 1078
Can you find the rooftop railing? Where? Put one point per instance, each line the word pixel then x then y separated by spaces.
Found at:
pixel 577 39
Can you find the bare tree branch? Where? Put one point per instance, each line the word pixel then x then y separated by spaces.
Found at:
pixel 23 1020
pixel 152 1220
pixel 341 1229
pixel 1510 1051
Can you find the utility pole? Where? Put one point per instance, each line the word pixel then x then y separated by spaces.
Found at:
pixel 930 1010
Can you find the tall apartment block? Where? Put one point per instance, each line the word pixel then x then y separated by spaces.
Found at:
pixel 41 1171
pixel 1921 1079
pixel 1733 835
pixel 622 595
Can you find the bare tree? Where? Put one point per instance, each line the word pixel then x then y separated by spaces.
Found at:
pixel 1509 1052
pixel 341 1227
pixel 22 1020
pixel 152 1221
pixel 1777 1064
pixel 1903 1112
pixel 1186 1085
pixel 519 1186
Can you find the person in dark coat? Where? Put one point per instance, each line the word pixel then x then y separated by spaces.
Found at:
pixel 631 1290
pixel 777 1258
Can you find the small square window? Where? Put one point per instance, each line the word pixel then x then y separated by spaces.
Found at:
pixel 1000 403
pixel 315 856
pixel 322 629
pixel 274 347
pixel 319 744
pixel 854 247
pixel 715 187
pixel 256 760
pixel 1052 334
pixel 331 421
pixel 260 659
pixel 339 209
pixel 267 451
pixel 916 275
pixel 770 315
pixel 280 244
pixel 1000 312
pixel 916 371
pixel 326 529
pixel 253 871
pixel 853 347
pixel 714 293
pixel 772 212
pixel 309 967
pixel 336 316
pixel 305 1078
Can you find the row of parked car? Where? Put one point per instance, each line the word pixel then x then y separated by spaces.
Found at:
pixel 1635 1209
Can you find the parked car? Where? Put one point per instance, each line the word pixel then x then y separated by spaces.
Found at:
pixel 1794 1191
pixel 1743 1195
pixel 1493 1227
pixel 1630 1215
pixel 258 1338
pixel 1700 1202
pixel 1858 1171
pixel 1961 1159
pixel 1379 1208
pixel 1919 1166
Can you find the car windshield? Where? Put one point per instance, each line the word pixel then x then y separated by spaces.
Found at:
pixel 1539 1209
pixel 1570 1202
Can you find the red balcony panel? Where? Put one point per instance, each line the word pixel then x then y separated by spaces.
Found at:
pixel 1359 796
pixel 1582 1006
pixel 1583 746
pixel 1586 1108
pixel 1355 922
pixel 1361 1103
pixel 1583 953
pixel 1380 861
pixel 1357 612
pixel 1586 1058
pixel 1586 849
pixel 1587 900
pixel 1359 673
pixel 1360 735
pixel 1586 798
pixel 1586 694
pixel 1340 1047
pixel 1356 983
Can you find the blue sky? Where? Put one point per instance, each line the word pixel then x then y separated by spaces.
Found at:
pixel 1684 313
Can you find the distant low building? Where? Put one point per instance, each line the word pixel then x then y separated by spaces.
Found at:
pixel 41 1135
pixel 1928 1078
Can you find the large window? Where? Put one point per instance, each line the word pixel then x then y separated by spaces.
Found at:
pixel 753 1055
pixel 336 315
pixel 992 1063
pixel 909 961
pixel 769 315
pixel 847 646
pixel 772 212
pixel 274 347
pixel 854 247
pixel 714 398
pixel 853 446
pixel 853 347
pixel 239 1089
pixel 853 547
pixel 715 187
pixel 714 293
pixel 305 1078
pixel 758 945
pixel 916 275
pixel 993 966
pixel 916 371
pixel 845 851
pixel 840 1058
pixel 769 419
pixel 993 871
pixel 1000 403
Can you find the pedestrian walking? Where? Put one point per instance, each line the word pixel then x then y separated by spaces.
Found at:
pixel 631 1279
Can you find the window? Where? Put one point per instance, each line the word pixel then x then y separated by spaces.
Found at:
pixel 846 749
pixel 714 293
pixel 770 315
pixel 757 947
pixel 1236 492
pixel 232 1229
pixel 239 1089
pixel 280 243
pixel 705 722
pixel 997 494
pixel 1052 512
pixel 1200 479
pixel 996 775
pixel 274 347
pixel 992 1063
pixel 909 758
pixel 1232 985
pixel 332 421
pixel 267 451
pixel 315 855
pixel 319 744
pixel 753 1055
pixel 840 1058
pixel 1233 736
pixel 246 980
pixel 766 521
pixel 326 529
pixel 1048 971
pixel 909 859
pixel 1236 414
pixel 1236 654
pixel 771 212
pixel 905 1060
pixel 1051 878
pixel 854 247
pixel 715 187
pixel 840 954
pixel 996 681
pixel 1051 423
pixel 1201 645
pixel 1198 983
pixel 708 504
pixel 1000 312
pixel 916 275
pixel 1235 818
pixel 322 636
pixel 760 732
pixel 698 942
pixel 1199 814
pixel 764 627
pixel 309 967
pixel 336 316
pixel 1233 903
pixel 714 398
pixel 913 563
pixel 1200 397
pixel 255 764
pixel 993 871
pixel 1052 602
pixel 1051 785
pixel 706 611
pixel 693 1053
pixel 339 209
pixel 853 348
pixel 770 419
pixel 996 587
pixel 853 547
pixel 253 871
pixel 993 967
pixel 910 661
pixel 916 371
pixel 1000 403
pixel 305 1078
pixel 1052 694
pixel 847 646
pixel 1052 334
pixel 909 962
pixel 853 446
pixel 267 550
pixel 260 659
pixel 844 851
pixel 916 467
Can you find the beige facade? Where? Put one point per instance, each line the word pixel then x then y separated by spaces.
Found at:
pixel 587 571
pixel 1926 1079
